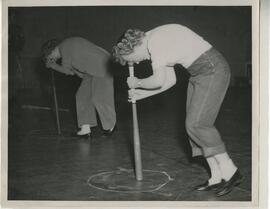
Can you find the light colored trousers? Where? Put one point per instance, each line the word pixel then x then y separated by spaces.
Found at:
pixel 96 94
pixel 209 81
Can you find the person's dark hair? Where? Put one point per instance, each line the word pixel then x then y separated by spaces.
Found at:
pixel 48 47
pixel 126 44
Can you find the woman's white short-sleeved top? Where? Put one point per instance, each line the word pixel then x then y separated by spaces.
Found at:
pixel 174 44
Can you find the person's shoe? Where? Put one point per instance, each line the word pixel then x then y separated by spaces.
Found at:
pixel 84 136
pixel 107 133
pixel 207 187
pixel 84 133
pixel 85 129
pixel 228 186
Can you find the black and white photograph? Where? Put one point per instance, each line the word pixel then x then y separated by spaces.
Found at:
pixel 132 103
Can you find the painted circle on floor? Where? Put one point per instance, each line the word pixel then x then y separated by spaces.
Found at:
pixel 124 180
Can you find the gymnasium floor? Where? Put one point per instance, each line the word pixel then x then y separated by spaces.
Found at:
pixel 44 166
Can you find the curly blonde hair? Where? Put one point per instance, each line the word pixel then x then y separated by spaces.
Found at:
pixel 126 44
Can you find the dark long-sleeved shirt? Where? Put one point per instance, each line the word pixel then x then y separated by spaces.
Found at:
pixel 82 55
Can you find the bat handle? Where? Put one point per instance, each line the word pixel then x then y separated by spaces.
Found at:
pixel 131 69
pixel 131 74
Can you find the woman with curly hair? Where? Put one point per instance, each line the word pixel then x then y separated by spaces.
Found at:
pixel 173 44
pixel 91 63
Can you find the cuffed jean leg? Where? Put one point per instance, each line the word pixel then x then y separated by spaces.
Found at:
pixel 208 94
pixel 196 150
pixel 86 113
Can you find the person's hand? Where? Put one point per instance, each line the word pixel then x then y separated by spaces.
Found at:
pixel 51 64
pixel 133 82
pixel 137 94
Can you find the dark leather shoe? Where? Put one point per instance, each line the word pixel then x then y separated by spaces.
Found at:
pixel 107 133
pixel 235 180
pixel 206 187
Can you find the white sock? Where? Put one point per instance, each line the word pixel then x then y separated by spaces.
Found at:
pixel 85 129
pixel 215 171
pixel 226 165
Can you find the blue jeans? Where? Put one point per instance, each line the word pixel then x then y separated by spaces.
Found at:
pixel 209 81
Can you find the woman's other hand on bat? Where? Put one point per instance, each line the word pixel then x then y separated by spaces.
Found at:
pixel 133 82
pixel 137 94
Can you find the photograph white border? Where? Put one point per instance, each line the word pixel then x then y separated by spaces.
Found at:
pixel 259 150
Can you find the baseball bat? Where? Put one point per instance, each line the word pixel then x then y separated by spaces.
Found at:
pixel 56 104
pixel 136 136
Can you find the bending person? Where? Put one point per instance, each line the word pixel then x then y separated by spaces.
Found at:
pixel 172 44
pixel 96 93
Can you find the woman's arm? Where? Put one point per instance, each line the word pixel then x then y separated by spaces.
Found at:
pixel 60 68
pixel 169 81
pixel 154 81
pixel 157 80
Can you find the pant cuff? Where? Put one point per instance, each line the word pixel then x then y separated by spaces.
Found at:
pixel 196 151
pixel 108 127
pixel 91 124
pixel 211 151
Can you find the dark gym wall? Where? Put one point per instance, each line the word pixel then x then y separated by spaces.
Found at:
pixel 226 28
